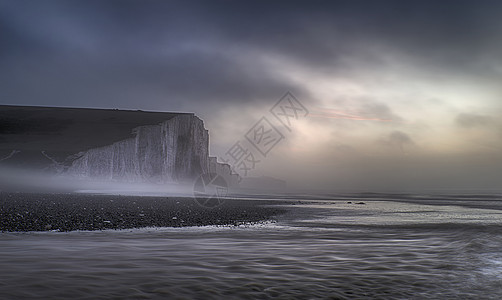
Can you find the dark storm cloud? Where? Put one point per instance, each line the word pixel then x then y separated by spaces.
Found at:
pixel 185 77
pixel 122 54
pixel 107 53
pixel 327 34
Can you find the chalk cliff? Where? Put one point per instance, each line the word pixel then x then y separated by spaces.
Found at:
pixel 174 150
pixel 106 144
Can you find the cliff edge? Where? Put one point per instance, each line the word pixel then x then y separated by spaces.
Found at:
pixel 105 144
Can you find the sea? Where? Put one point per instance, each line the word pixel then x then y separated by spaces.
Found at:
pixel 344 246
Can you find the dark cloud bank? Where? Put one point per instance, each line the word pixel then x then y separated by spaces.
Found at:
pixel 110 53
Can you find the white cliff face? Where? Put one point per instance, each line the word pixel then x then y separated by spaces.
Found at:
pixel 172 151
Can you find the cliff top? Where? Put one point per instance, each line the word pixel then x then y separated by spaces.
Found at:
pixel 70 130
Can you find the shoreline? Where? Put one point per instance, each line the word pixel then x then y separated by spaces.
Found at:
pixel 35 212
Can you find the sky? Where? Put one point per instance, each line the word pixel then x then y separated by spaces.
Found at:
pixel 401 95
